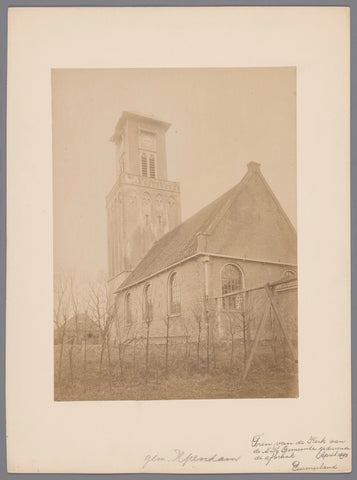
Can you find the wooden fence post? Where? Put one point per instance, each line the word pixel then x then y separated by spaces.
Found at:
pixel 280 320
pixel 255 342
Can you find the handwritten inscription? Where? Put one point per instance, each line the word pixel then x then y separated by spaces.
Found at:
pixel 312 453
pixel 183 458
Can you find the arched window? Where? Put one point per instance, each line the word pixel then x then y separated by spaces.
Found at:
pixel 128 314
pixel 152 166
pixel 289 273
pixel 144 165
pixel 146 207
pixel 231 281
pixel 148 303
pixel 174 295
pixel 147 200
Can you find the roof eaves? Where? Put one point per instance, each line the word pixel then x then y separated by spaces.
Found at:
pixel 147 277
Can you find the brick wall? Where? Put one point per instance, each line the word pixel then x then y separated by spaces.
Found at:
pixel 191 278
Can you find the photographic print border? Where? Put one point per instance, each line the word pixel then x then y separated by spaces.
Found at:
pixel 3 19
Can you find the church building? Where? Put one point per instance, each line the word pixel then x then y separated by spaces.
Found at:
pixel 167 274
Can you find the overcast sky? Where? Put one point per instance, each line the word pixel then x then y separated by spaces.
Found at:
pixel 221 120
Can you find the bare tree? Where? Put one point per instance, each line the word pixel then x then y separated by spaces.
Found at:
pixel 238 325
pixel 128 327
pixel 126 331
pixel 233 329
pixel 159 304
pixel 211 312
pixel 148 316
pixel 198 312
pixel 187 343
pixel 74 338
pixel 245 327
pixel 152 305
pixel 167 322
pixel 61 313
pixel 103 313
pixel 85 351
pixel 208 333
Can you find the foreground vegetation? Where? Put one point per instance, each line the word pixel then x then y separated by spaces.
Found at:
pixel 88 374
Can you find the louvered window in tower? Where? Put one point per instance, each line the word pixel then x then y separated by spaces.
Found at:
pixel 152 167
pixel 144 165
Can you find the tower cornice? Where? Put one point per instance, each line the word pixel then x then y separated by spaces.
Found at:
pixel 144 182
pixel 136 116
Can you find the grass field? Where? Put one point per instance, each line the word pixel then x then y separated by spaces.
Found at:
pixel 268 377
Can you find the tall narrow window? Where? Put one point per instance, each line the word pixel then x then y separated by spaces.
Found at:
pixel 231 281
pixel 122 162
pixel 148 304
pixel 128 310
pixel 152 167
pixel 174 295
pixel 144 165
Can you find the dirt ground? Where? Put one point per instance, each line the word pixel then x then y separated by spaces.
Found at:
pixel 270 375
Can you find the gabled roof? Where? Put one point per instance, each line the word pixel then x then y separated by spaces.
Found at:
pixel 182 242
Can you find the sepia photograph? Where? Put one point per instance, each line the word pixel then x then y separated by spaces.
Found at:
pixel 175 243
pixel 178 296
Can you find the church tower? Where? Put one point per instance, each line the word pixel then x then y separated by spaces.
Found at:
pixel 142 205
